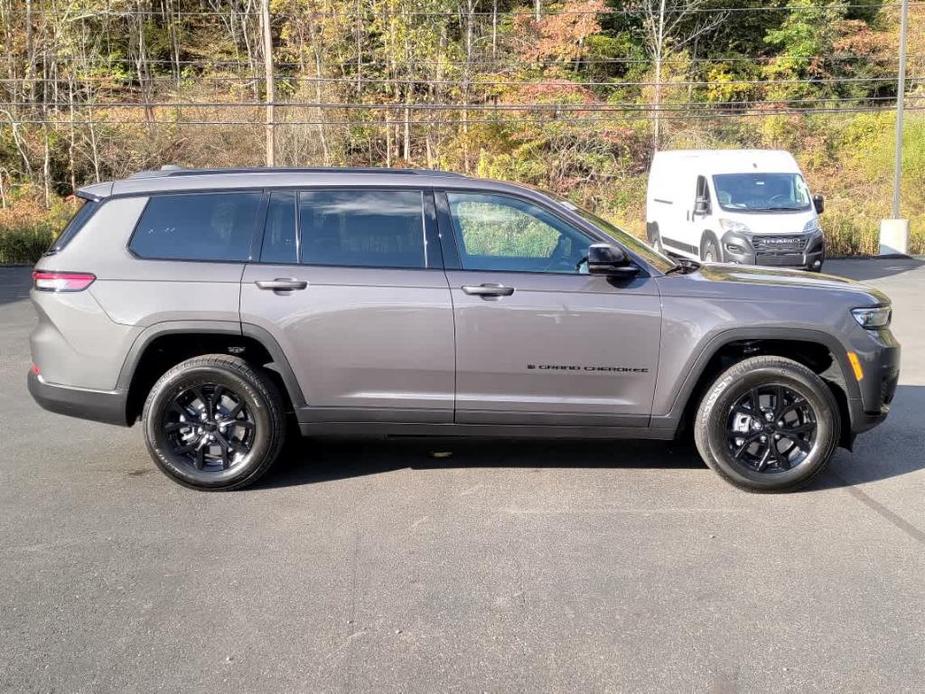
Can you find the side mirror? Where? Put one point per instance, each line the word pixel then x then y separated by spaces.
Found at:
pixel 819 204
pixel 604 259
pixel 701 205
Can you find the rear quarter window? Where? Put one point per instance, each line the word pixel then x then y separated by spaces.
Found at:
pixel 76 223
pixel 198 226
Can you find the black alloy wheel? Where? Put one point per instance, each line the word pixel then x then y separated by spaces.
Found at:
pixel 209 427
pixel 214 422
pixel 771 428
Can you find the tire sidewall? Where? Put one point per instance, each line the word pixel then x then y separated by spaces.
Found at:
pixel 171 385
pixel 730 388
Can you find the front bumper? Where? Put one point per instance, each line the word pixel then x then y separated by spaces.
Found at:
pixel 97 405
pixel 746 249
pixel 879 359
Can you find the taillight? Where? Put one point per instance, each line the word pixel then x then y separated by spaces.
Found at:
pixel 61 281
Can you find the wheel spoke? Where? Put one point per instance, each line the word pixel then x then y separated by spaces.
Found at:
pixel 801 429
pixel 173 426
pixel 200 461
pixel 236 410
pixel 781 459
pixel 748 441
pixel 797 401
pixel 226 449
pixel 764 458
pixel 756 401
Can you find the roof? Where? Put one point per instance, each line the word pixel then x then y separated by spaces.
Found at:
pixel 177 179
pixel 731 160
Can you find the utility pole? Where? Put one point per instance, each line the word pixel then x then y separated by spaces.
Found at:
pixel 900 105
pixel 269 78
pixel 894 232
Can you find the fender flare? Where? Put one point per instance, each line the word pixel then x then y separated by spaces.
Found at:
pixel 211 327
pixel 711 345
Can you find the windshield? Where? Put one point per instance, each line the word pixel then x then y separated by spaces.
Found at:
pixel 762 192
pixel 625 239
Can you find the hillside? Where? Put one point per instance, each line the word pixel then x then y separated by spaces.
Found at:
pixel 571 96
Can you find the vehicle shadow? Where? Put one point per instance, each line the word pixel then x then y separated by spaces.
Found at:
pixel 890 450
pixel 893 449
pixel 311 461
pixel 871 268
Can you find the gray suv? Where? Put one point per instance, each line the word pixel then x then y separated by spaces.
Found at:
pixel 218 306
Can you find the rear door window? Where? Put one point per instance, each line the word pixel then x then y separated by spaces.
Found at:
pixel 198 226
pixel 279 236
pixel 362 228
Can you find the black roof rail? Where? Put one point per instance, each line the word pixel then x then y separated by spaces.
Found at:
pixel 172 170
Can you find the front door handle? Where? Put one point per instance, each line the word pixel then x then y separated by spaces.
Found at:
pixel 282 284
pixel 488 290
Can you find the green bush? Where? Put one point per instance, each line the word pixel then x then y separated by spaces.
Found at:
pixel 24 245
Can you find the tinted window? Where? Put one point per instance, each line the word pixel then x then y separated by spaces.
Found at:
pixel 363 228
pixel 495 232
pixel 80 218
pixel 279 236
pixel 201 226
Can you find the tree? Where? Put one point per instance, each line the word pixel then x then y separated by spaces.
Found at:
pixel 668 26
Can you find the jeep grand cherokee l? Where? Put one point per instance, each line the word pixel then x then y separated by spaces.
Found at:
pixel 216 305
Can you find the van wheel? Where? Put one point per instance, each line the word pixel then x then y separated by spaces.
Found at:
pixel 767 424
pixel 214 423
pixel 709 252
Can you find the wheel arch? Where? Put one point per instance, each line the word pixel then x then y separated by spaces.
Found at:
pixel 817 350
pixel 163 345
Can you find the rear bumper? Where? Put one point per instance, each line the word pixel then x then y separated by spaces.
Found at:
pixel 97 405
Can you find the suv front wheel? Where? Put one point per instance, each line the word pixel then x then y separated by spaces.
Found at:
pixel 214 423
pixel 767 424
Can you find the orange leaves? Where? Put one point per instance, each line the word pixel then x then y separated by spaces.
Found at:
pixel 561 34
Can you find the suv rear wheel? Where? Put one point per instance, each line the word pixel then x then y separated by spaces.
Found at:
pixel 214 423
pixel 767 424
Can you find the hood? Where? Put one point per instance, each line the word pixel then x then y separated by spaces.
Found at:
pixel 747 281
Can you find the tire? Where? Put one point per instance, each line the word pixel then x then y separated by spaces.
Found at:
pixel 214 423
pixel 709 252
pixel 804 430
pixel 657 244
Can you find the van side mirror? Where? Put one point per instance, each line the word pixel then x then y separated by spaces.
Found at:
pixel 604 259
pixel 819 204
pixel 701 205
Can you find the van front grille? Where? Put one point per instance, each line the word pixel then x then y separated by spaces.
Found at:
pixel 779 244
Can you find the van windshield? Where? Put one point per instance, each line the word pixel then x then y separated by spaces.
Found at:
pixel 762 192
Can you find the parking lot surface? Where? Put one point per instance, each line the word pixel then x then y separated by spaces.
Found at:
pixel 505 567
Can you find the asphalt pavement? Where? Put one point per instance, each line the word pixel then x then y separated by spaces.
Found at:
pixel 375 566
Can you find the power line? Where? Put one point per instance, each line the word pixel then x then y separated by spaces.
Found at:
pixel 602 107
pixel 637 116
pixel 624 11
pixel 474 82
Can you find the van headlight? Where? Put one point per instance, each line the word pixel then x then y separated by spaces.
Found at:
pixel 873 318
pixel 732 225
pixel 812 226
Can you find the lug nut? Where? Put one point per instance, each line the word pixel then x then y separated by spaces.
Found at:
pixel 763 438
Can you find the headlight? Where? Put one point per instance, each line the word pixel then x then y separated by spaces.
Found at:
pixel 812 226
pixel 732 225
pixel 873 318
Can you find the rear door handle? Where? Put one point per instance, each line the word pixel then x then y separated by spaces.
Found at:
pixel 488 290
pixel 282 284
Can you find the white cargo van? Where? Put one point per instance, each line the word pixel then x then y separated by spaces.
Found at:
pixel 747 206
